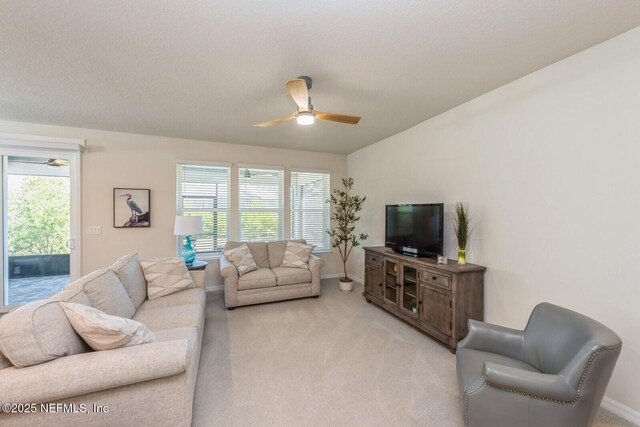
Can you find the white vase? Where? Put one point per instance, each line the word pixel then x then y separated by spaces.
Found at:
pixel 346 287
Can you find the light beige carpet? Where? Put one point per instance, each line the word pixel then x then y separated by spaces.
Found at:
pixel 331 361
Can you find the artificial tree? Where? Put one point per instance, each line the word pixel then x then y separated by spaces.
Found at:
pixel 345 216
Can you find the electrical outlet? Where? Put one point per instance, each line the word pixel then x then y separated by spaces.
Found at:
pixel 94 229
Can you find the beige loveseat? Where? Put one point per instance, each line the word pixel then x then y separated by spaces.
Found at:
pixel 148 384
pixel 270 282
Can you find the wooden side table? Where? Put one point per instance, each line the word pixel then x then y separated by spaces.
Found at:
pixel 197 266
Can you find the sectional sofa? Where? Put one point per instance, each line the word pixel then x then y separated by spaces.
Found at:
pixel 66 383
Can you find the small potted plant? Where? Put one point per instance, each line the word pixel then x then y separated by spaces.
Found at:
pixel 462 230
pixel 345 217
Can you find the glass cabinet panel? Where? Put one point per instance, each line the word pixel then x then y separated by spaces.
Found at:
pixel 409 289
pixel 391 282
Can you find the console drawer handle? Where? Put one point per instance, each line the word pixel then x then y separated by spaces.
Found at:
pixel 434 278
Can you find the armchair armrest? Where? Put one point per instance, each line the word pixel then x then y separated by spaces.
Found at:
pixel 545 386
pixel 494 339
pixel 93 371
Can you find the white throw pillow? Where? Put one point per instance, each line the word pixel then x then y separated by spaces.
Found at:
pixel 166 276
pixel 297 255
pixel 104 332
pixel 242 258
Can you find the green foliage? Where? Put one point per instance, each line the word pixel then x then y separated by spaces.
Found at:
pixel 345 216
pixel 38 217
pixel 260 225
pixel 461 226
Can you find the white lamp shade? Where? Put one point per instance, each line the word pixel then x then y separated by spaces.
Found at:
pixel 188 225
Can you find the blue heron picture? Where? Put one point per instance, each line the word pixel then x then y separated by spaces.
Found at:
pixel 131 207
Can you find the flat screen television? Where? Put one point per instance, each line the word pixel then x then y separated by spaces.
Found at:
pixel 415 229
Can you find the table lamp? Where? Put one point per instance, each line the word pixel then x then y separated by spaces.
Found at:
pixel 187 226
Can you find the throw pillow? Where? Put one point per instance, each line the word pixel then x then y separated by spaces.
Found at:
pixel 166 276
pixel 106 293
pixel 104 332
pixel 297 255
pixel 242 258
pixel 130 274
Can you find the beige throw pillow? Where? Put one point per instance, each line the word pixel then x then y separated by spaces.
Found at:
pixel 297 255
pixel 166 276
pixel 242 258
pixel 104 332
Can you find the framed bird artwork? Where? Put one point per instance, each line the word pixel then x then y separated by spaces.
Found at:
pixel 131 207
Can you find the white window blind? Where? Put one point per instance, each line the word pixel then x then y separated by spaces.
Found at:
pixel 310 211
pixel 261 203
pixel 204 191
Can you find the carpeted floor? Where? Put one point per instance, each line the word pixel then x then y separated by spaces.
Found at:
pixel 331 361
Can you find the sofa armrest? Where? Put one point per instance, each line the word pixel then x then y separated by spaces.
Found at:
pixel 93 371
pixel 494 339
pixel 230 274
pixel 536 384
pixel 227 269
pixel 315 264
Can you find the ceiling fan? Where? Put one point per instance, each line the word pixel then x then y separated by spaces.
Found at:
pixel 306 115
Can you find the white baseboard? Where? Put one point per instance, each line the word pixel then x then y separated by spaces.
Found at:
pixel 338 275
pixel 621 410
pixel 216 289
pixel 330 276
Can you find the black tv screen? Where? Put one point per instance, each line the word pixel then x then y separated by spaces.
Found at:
pixel 415 229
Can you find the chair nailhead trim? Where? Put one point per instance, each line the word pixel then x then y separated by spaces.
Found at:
pixel 482 380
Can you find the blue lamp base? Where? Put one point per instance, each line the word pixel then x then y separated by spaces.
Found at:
pixel 188 253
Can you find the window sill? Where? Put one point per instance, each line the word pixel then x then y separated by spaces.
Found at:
pixel 218 256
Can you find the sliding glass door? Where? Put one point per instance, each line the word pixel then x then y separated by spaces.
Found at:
pixel 39 224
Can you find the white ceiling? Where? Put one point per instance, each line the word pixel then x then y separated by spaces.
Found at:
pixel 210 69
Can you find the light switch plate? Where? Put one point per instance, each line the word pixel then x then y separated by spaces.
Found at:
pixel 94 229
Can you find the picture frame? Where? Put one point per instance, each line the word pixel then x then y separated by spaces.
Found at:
pixel 131 208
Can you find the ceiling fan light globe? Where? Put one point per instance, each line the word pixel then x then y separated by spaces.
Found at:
pixel 305 118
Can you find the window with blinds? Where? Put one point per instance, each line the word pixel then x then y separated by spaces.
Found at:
pixel 204 191
pixel 310 211
pixel 260 204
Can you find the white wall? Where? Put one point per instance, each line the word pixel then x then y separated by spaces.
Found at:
pixel 550 167
pixel 114 159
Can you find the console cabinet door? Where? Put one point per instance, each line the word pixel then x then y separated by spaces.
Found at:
pixel 373 280
pixel 436 308
pixel 391 282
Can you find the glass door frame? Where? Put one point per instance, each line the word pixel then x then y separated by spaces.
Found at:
pixel 36 146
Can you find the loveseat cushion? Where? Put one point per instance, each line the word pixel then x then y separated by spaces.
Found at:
pixel 104 332
pixel 106 293
pixel 258 250
pixel 261 278
pixel 188 296
pixel 291 276
pixel 39 331
pixel 131 276
pixel 166 276
pixel 180 316
pixel 277 250
pixel 471 365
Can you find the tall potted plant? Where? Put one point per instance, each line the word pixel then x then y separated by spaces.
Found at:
pixel 462 230
pixel 345 216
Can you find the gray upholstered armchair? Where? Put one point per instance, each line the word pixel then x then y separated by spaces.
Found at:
pixel 554 373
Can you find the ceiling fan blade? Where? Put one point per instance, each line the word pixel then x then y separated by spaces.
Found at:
pixel 298 90
pixel 276 121
pixel 340 118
